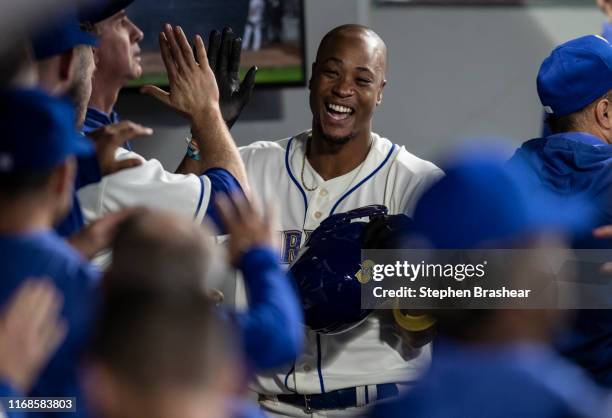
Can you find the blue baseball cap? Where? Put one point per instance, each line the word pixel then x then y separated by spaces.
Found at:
pixel 481 201
pixel 575 74
pixel 102 9
pixel 37 131
pixel 61 36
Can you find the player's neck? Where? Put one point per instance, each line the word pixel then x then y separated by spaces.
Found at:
pixel 331 160
pixel 24 217
pixel 104 94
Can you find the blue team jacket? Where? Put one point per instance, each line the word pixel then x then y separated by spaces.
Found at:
pixel 573 164
pixel 509 381
pixel 44 254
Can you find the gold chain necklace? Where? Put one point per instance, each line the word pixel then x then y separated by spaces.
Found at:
pixel 310 189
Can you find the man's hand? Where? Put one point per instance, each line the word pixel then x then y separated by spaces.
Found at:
pixel 193 89
pixel 99 234
pixel 604 232
pixel 606 8
pixel 110 137
pixel 30 331
pixel 246 228
pixel 224 59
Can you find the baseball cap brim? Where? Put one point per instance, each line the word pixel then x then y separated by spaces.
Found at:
pixel 33 120
pixel 102 10
pixel 61 37
pixel 81 146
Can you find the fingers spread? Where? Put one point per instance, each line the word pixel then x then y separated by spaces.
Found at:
pixel 166 55
pixel 156 92
pixel 243 206
pixel 129 163
pixel 246 88
pixel 226 211
pixel 234 61
pixel 603 232
pixel 214 43
pixel 226 49
pixel 184 46
pixel 200 50
pixel 175 50
pixel 126 130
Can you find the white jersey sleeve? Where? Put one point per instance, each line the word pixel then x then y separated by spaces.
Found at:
pixel 411 176
pixel 149 185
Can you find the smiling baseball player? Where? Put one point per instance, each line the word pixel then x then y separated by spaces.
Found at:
pixel 339 165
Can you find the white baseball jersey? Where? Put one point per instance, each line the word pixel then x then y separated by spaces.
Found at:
pixel 371 353
pixel 146 185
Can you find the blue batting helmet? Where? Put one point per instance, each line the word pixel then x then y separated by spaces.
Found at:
pixel 325 271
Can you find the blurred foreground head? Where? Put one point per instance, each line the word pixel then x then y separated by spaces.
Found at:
pixel 159 355
pixel 154 249
pixel 482 204
pixel 36 187
pixel 65 61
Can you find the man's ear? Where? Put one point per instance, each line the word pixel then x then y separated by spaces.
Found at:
pixel 603 114
pixel 312 71
pixel 379 96
pixel 67 60
pixel 64 176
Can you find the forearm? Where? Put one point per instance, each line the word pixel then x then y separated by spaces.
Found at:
pixel 189 166
pixel 217 148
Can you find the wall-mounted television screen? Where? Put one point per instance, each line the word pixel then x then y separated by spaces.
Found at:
pixel 272 33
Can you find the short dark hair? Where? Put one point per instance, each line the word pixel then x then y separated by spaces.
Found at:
pixel 172 257
pixel 20 183
pixel 571 122
pixel 153 340
pixel 560 124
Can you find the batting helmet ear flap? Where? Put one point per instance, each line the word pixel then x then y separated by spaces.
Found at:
pixel 327 268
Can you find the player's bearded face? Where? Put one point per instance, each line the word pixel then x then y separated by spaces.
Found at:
pixel 80 88
pixel 346 85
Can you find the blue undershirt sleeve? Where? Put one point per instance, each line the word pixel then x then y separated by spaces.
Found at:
pixel 222 182
pixel 88 171
pixel 271 329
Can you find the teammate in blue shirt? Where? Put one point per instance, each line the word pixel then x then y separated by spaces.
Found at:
pixel 37 169
pixel 575 88
pixel 199 173
pixel 495 363
pixel 64 63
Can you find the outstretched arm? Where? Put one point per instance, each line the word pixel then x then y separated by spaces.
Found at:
pixel 272 326
pixel 194 94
